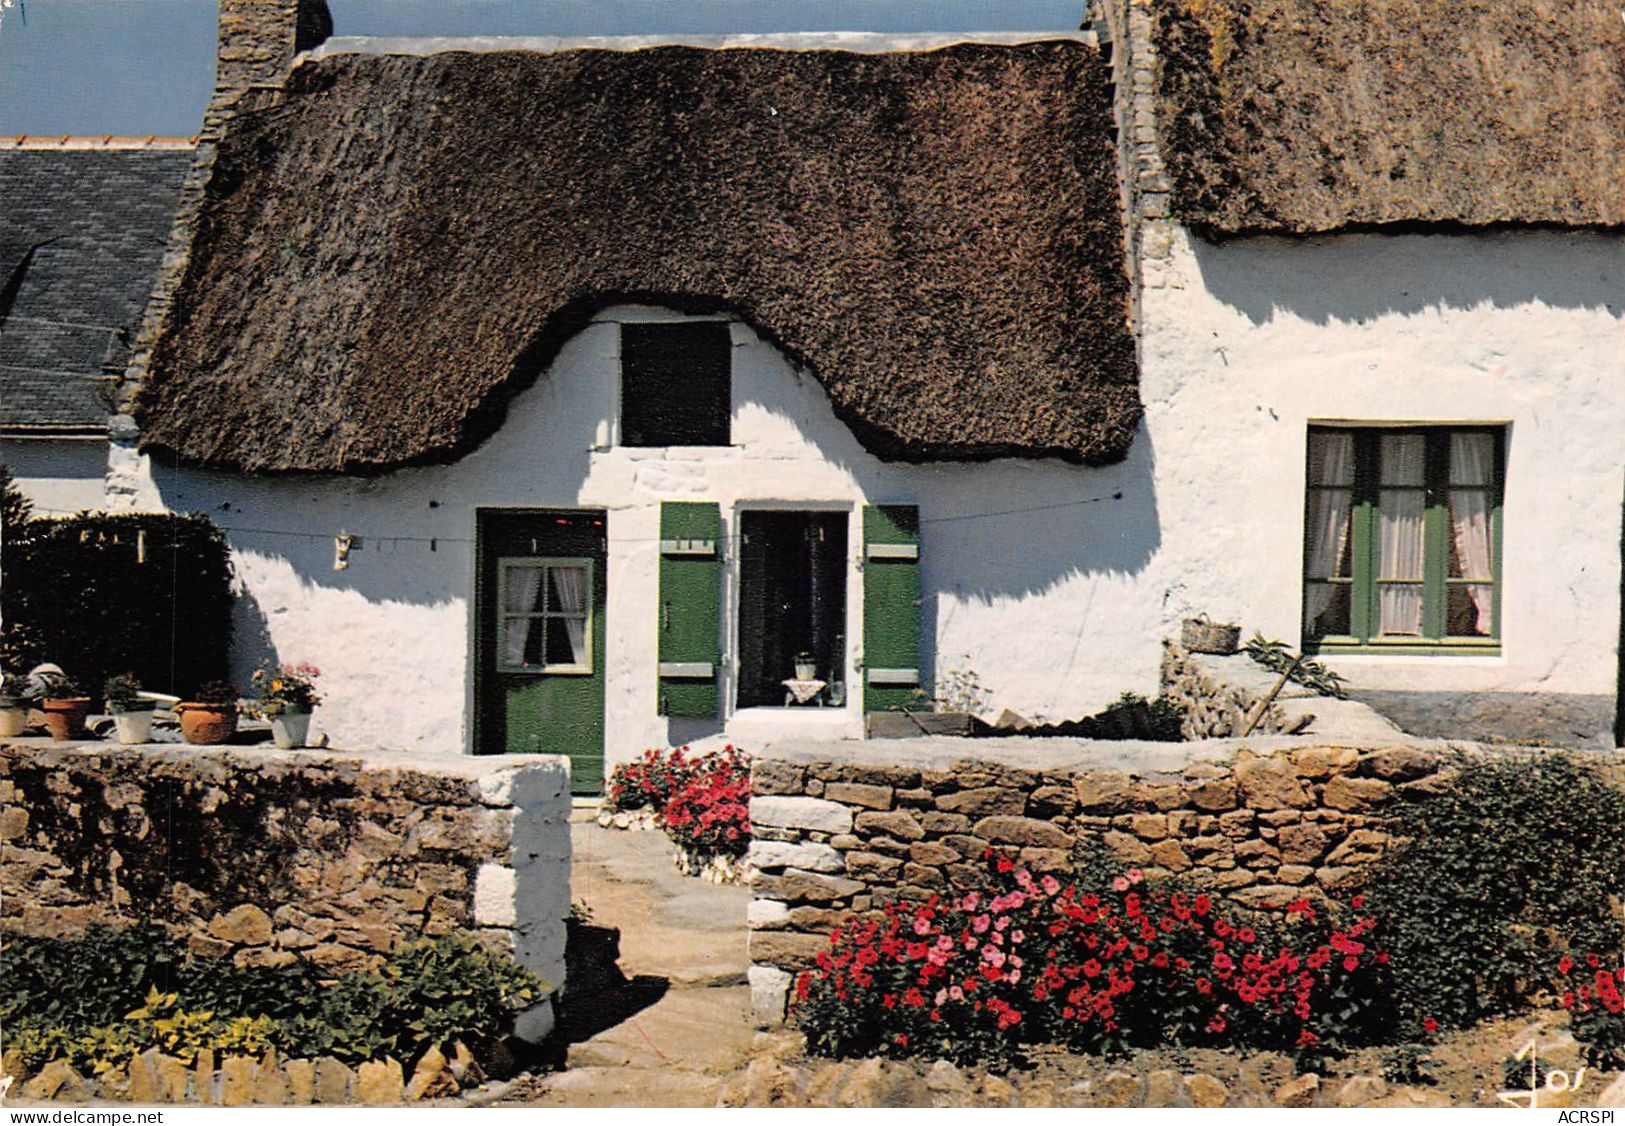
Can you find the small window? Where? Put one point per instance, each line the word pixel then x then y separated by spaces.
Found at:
pixel 1402 537
pixel 676 385
pixel 545 616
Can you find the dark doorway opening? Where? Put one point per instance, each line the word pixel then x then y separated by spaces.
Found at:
pixel 792 602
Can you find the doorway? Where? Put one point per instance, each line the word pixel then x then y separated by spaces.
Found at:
pixel 792 608
pixel 539 661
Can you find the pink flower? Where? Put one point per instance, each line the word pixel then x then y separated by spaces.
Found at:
pixel 1135 875
pixel 922 927
pixel 1120 883
pixel 1050 885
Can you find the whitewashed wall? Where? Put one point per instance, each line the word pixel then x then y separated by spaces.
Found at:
pixel 1046 598
pixel 1246 342
pixel 1057 604
pixel 57 475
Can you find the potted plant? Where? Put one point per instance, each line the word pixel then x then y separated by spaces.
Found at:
pixel 13 708
pixel 806 666
pixel 132 715
pixel 54 693
pixel 286 696
pixel 210 716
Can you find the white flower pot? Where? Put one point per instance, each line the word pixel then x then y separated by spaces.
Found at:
pixel 133 727
pixel 12 721
pixel 288 729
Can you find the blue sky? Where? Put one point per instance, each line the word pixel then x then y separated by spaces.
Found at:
pixel 138 67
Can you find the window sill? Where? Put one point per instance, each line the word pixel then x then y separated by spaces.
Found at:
pixel 1460 647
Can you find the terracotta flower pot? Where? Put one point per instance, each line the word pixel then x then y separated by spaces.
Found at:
pixel 65 717
pixel 204 724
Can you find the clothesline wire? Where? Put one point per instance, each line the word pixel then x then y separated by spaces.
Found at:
pixel 392 538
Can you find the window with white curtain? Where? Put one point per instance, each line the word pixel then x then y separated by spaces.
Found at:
pixel 544 616
pixel 1402 532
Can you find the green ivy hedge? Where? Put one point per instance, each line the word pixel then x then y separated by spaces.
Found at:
pixel 102 594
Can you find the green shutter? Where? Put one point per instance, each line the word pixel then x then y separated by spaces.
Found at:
pixel 891 605
pixel 690 598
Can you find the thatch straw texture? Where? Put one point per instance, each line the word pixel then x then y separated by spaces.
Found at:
pixel 1305 116
pixel 391 246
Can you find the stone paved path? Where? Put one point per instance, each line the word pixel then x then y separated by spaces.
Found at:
pixel 682 947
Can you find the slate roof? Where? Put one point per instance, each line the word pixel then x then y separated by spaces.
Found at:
pixel 81 234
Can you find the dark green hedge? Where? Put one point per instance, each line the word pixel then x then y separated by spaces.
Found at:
pixel 101 594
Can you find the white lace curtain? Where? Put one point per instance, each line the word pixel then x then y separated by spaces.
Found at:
pixel 1331 462
pixel 522 595
pixel 1472 462
pixel 1401 518
pixel 570 599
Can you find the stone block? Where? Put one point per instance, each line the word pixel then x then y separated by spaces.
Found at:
pixel 1127 848
pixel 1163 797
pixel 246 925
pixel 1293 873
pixel 1212 794
pixel 800 813
pixel 1356 794
pixel 432 1078
pixel 1271 783
pixel 767 914
pixel 1360 847
pixel 859 794
pixel 769 993
pixel 987 801
pixel 380 1083
pixel 806 855
pixel 1399 764
pixel 1118 1089
pixel 820 920
pixel 1166 1088
pixel 919 797
pixel 1338 879
pixel 872 866
pixel 1206 1091
pixel 1052 801
pixel 1322 762
pixel 897 823
pixel 933 853
pixel 1024 831
pixel 1257 853
pixel 786 949
pixel 301 1076
pixel 886 846
pixel 1149 826
pixel 1301 844
pixel 1045 859
pixel 496 889
pixel 56 1080
pixel 1299 1092
pixel 1104 792
pixel 271 1086
pixel 1170 855
pixel 771 777
pixel 971 848
pixel 237 1076
pixel 1360 1090
pixel 796 886
pixel 1265 896
pixel 919 875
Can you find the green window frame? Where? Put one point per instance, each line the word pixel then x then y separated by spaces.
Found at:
pixel 541 616
pixel 1402 539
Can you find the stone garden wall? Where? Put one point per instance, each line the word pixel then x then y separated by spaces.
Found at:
pixel 1266 822
pixel 262 856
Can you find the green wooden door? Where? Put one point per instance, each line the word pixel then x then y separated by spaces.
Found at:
pixel 539 661
pixel 891 605
pixel 690 608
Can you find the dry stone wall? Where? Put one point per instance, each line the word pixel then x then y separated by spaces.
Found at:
pixel 1264 825
pixel 264 856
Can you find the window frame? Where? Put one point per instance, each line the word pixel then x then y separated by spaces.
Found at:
pixel 718 415
pixel 1364 544
pixel 503 616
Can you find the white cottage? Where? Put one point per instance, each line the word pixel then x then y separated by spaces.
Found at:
pixel 568 396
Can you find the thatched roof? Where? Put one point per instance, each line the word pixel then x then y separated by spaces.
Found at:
pixel 396 244
pixel 1319 115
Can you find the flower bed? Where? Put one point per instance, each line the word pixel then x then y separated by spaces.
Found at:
pixel 977 975
pixel 93 1006
pixel 702 802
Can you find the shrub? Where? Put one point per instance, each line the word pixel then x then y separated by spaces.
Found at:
pixel 977 975
pixel 710 813
pixel 1502 872
pixel 107 593
pixel 1590 991
pixel 99 1000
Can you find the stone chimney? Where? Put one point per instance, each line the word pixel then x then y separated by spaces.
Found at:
pixel 257 43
